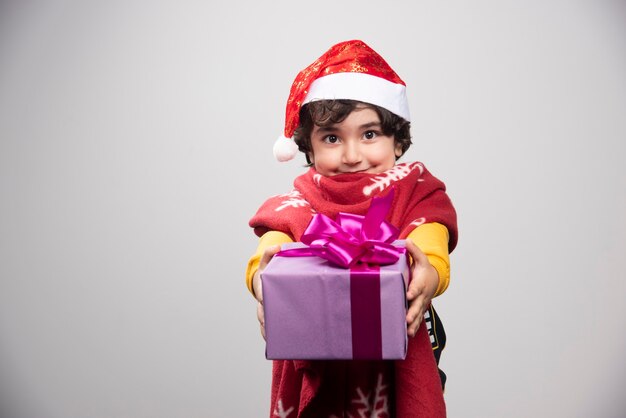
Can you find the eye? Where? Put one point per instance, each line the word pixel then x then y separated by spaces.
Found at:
pixel 370 135
pixel 330 139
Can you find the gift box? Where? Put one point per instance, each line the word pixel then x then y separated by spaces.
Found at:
pixel 315 309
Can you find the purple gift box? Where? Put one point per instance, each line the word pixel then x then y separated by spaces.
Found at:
pixel 317 310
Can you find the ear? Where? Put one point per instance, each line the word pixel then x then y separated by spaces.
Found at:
pixel 310 156
pixel 398 149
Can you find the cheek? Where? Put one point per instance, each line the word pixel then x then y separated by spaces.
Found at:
pixel 325 159
pixel 384 154
pixel 330 159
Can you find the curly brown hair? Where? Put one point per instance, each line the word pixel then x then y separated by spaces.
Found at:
pixel 324 113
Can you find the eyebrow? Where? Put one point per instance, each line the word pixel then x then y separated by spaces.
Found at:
pixel 370 125
pixel 324 129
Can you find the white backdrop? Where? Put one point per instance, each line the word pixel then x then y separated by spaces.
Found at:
pixel 135 144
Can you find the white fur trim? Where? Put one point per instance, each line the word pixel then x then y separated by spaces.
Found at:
pixel 362 87
pixel 285 148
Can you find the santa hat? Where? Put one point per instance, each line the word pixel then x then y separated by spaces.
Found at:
pixel 348 70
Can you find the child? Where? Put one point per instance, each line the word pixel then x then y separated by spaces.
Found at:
pixel 348 113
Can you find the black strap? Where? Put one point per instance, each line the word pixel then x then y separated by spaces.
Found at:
pixel 437 337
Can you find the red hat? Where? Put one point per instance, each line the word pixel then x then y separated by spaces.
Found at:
pixel 348 70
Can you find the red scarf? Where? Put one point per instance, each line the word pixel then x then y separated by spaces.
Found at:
pixel 353 388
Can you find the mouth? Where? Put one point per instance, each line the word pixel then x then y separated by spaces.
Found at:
pixel 355 171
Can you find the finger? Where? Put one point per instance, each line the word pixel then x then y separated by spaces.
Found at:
pixel 415 315
pixel 416 309
pixel 257 283
pixel 414 326
pixel 257 287
pixel 267 255
pixel 416 288
pixel 418 255
pixel 260 314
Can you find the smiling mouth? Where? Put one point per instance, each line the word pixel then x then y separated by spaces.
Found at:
pixel 365 170
pixel 355 171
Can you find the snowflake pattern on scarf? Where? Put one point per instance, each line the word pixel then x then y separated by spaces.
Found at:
pixel 294 200
pixel 371 405
pixel 396 173
pixel 280 411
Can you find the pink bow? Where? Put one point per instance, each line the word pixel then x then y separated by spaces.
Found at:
pixel 352 239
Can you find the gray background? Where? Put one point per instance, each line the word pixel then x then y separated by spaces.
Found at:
pixel 135 143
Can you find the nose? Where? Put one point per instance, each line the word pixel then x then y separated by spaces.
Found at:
pixel 352 153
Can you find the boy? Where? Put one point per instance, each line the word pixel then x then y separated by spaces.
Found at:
pixel 348 113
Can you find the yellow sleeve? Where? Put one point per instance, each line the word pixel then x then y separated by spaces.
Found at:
pixel 267 240
pixel 432 239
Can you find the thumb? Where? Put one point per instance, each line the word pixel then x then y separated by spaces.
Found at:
pixel 267 255
pixel 419 258
pixel 416 254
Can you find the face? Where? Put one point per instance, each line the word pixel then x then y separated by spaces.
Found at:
pixel 356 144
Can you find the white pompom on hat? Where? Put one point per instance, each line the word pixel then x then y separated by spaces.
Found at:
pixel 285 149
pixel 349 70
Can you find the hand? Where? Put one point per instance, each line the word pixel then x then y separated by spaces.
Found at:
pixel 422 288
pixel 257 285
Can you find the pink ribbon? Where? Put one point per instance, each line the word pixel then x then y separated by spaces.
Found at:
pixel 365 309
pixel 352 239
